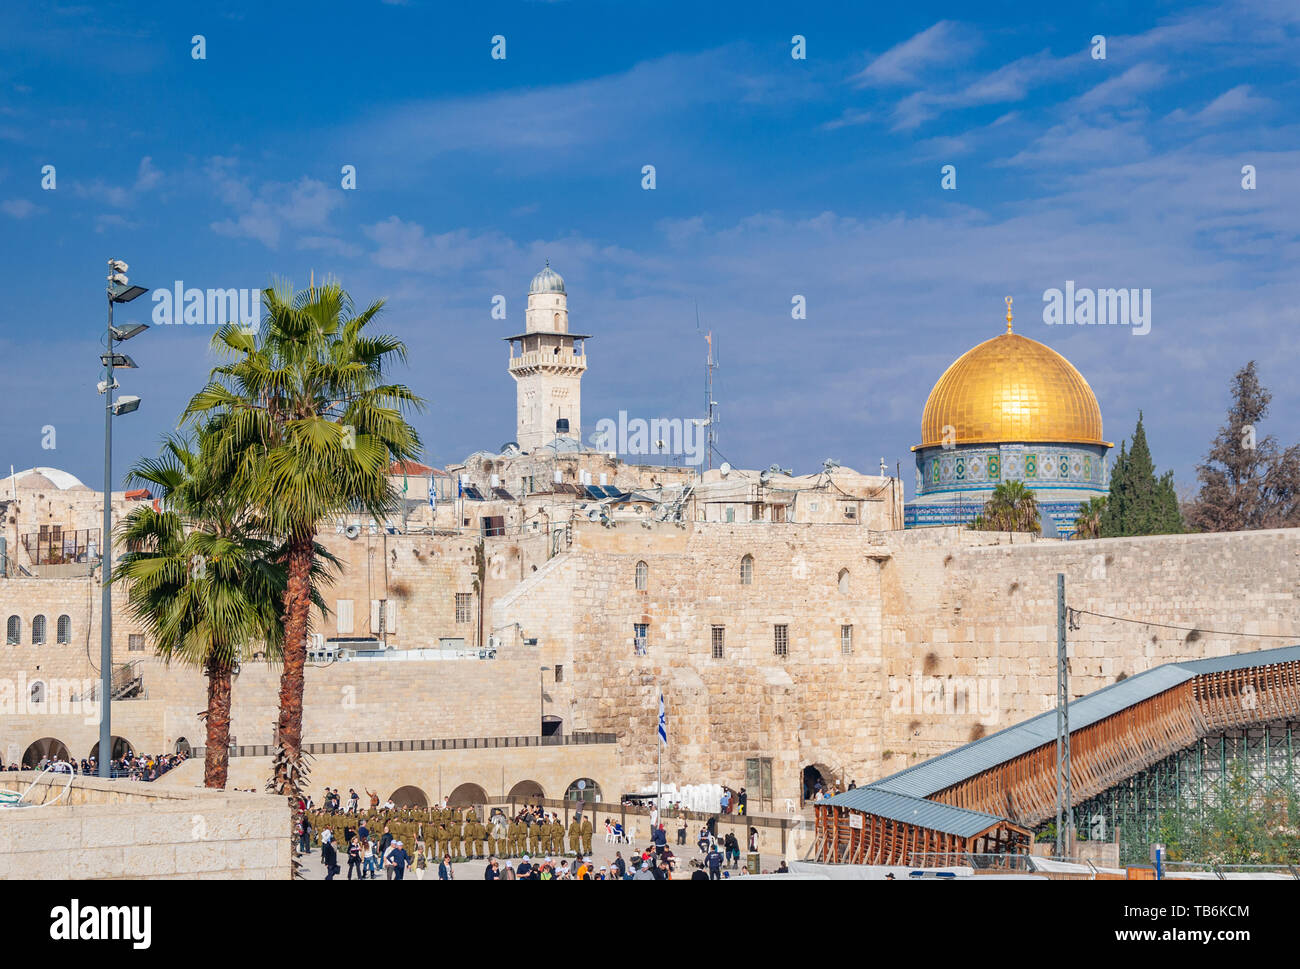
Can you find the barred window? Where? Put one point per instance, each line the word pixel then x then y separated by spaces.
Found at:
pixel 38 630
pixel 464 603
pixel 65 630
pixel 846 640
pixel 719 641
pixel 135 643
pixel 642 576
pixel 747 570
pixel 14 631
pixel 640 638
pixel 559 673
pixel 781 640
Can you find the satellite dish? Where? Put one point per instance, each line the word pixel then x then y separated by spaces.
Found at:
pixel 724 469
pixel 764 477
pixel 352 531
pixel 510 447
pixel 594 514
pixel 597 439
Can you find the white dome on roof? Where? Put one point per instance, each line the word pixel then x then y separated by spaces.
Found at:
pixel 49 478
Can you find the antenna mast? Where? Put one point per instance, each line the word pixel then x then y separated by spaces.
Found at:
pixel 710 404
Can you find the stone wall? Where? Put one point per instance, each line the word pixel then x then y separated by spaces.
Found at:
pixel 101 829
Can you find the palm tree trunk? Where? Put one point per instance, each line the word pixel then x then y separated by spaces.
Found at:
pixel 297 603
pixel 216 754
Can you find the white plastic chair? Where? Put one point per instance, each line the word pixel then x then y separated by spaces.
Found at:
pixel 629 833
pixel 789 807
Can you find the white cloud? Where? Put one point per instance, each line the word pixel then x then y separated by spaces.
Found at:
pixel 19 208
pixel 945 43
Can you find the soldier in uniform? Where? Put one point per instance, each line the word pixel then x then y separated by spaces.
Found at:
pixel 453 838
pixel 535 838
pixel 484 834
pixel 586 835
pixel 575 836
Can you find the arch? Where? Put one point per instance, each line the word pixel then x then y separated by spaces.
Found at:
pixel 14 631
pixel 552 726
pixel 64 630
pixel 183 747
pixel 642 576
pixel 527 789
pixel 50 747
pixel 120 748
pixel 409 796
pixel 38 692
pixel 38 630
pixel 747 570
pixel 583 789
pixel 814 774
pixel 467 795
pixel 843 581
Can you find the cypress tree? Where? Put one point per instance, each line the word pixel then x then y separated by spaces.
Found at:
pixel 1139 502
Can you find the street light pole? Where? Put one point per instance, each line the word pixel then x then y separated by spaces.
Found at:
pixel 119 291
pixel 106 567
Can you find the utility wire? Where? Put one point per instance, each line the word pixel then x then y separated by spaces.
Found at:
pixel 1186 629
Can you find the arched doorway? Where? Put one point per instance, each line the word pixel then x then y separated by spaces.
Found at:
pixel 183 747
pixel 816 777
pixel 583 789
pixel 467 795
pixel 121 747
pixel 46 747
pixel 527 789
pixel 409 797
pixel 552 726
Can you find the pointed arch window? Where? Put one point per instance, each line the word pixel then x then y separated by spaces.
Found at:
pixel 747 570
pixel 642 576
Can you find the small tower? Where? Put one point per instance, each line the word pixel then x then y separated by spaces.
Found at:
pixel 547 362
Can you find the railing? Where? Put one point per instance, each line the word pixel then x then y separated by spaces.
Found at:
pixel 1003 861
pixel 459 743
pixel 61 548
pixel 126 679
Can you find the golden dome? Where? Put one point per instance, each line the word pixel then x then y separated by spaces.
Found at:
pixel 1009 389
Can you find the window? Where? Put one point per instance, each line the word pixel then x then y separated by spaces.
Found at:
pixel 559 673
pixel 756 513
pixel 38 692
pixel 747 570
pixel 343 617
pixel 850 509
pixel 731 514
pixel 778 513
pixel 846 640
pixel 640 638
pixel 64 630
pixel 14 631
pixel 464 602
pixel 642 575
pixel 38 630
pixel 719 641
pixel 135 643
pixel 844 582
pixel 781 640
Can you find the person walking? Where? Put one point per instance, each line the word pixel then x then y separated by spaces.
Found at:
pixel 399 859
pixel 445 872
pixel 329 858
pixel 660 840
pixel 732 850
pixel 714 860
pixel 354 857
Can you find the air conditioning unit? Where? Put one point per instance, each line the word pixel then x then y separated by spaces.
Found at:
pixel 494 642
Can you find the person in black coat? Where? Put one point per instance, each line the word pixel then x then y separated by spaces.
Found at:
pixel 330 859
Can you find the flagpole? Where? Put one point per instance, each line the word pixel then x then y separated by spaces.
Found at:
pixel 659 742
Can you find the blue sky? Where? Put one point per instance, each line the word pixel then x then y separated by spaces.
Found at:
pixel 775 177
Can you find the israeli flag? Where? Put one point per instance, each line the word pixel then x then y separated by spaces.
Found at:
pixel 663 721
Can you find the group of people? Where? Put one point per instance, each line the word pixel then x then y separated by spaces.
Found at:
pixel 137 767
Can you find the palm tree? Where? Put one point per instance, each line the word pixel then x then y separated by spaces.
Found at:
pixel 1011 508
pixel 200 580
pixel 303 422
pixel 1087 524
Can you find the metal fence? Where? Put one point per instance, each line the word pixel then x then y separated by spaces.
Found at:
pixel 57 547
pixel 458 743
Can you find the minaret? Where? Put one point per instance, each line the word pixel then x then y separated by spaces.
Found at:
pixel 547 362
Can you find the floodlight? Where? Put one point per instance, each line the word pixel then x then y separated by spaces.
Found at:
pixel 121 333
pixel 121 293
pixel 126 405
pixel 119 360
